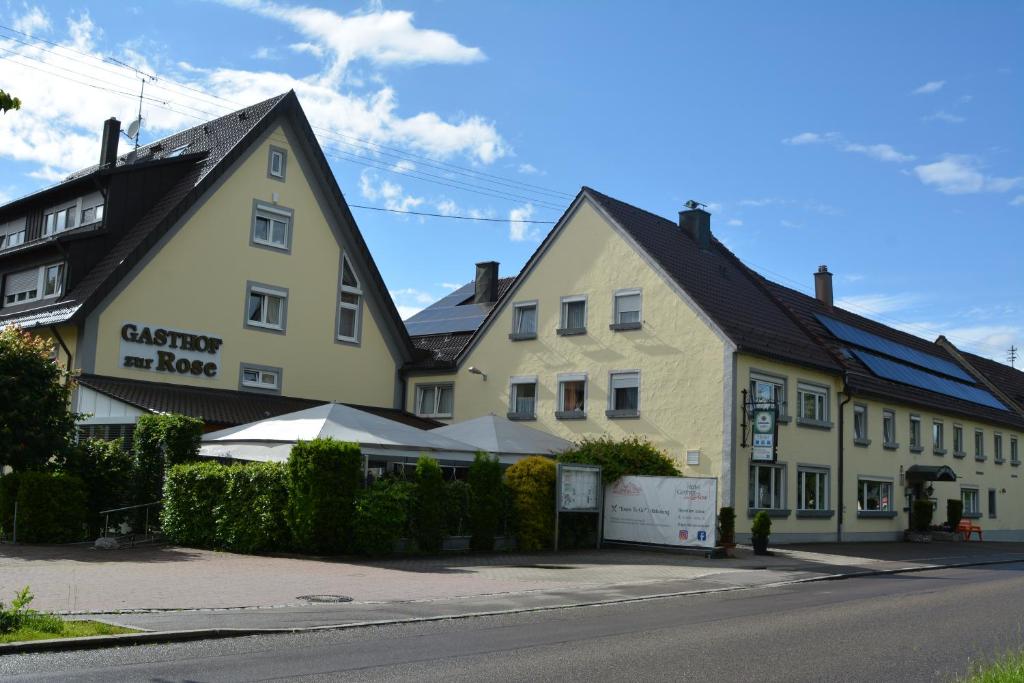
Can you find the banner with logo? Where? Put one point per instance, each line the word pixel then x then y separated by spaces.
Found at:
pixel 676 511
pixel 763 435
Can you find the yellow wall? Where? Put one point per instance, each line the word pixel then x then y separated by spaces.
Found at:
pixel 197 281
pixel 681 360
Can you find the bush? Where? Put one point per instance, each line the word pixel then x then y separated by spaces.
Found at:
pixel 324 476
pixel 762 526
pixel 252 516
pixel 51 506
pixel 382 515
pixel 922 515
pixel 633 455
pixel 20 615
pixel 456 507
pixel 161 441
pixel 193 492
pixel 428 518
pixel 532 485
pixel 727 524
pixel 108 472
pixel 954 512
pixel 485 502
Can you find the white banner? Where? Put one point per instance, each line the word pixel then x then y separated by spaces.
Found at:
pixel 676 511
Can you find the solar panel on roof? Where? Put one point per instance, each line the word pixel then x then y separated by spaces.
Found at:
pixel 858 337
pixel 915 377
pixel 449 315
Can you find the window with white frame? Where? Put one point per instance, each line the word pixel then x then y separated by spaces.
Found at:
pixel 574 314
pixel 812 489
pixel 276 163
pixel 271 227
pixel 92 212
pixel 627 307
pixel 59 220
pixel 812 403
pixel 45 282
pixel 266 307
pixel 767 487
pixel 915 432
pixel 349 300
pixel 524 320
pixel 1014 453
pixel 523 396
pixel 938 435
pixel 997 447
pixel 979 444
pixel 261 378
pixel 572 394
pixel 624 394
pixel 434 400
pixel 971 501
pixel 766 390
pixel 889 427
pixel 860 422
pixel 874 495
pixel 958 440
pixel 12 233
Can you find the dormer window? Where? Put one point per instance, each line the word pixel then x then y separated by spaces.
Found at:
pixel 92 214
pixel 46 282
pixel 12 233
pixel 59 220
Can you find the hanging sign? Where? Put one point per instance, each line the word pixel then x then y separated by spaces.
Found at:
pixel 169 351
pixel 675 511
pixel 763 435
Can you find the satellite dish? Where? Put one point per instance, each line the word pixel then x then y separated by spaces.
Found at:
pixel 133 128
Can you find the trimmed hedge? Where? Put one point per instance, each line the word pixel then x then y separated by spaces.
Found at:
pixel 456 507
pixel 324 477
pixel 159 442
pixel 109 473
pixel 922 515
pixel 428 515
pixel 954 512
pixel 633 455
pixel 532 484
pixel 192 496
pixel 382 515
pixel 486 501
pixel 51 506
pixel 252 516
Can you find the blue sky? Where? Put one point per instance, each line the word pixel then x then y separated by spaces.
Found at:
pixel 881 139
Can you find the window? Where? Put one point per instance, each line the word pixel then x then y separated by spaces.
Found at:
pixel 627 309
pixel 524 320
pixel 915 433
pixel 766 488
pixel 1014 453
pixel 45 282
pixel 979 444
pixel 997 447
pixel 992 503
pixel 108 432
pixel 92 214
pixel 889 428
pixel 860 424
pixel 523 398
pixel 958 441
pixel 349 301
pixel 874 495
pixel 276 163
pixel 812 489
pixel 572 396
pixel 812 404
pixel 261 378
pixel 972 506
pixel 434 400
pixel 574 315
pixel 938 436
pixel 766 389
pixel 624 394
pixel 272 227
pixel 12 234
pixel 59 220
pixel 53 279
pixel 266 307
pixel 177 151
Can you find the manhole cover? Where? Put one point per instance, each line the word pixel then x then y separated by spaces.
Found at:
pixel 324 598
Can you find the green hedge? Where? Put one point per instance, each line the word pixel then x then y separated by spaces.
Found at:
pixel 252 515
pixel 486 503
pixel 456 507
pixel 159 442
pixel 922 515
pixel 193 493
pixel 324 476
pixel 633 455
pixel 532 483
pixel 51 507
pixel 109 473
pixel 382 515
pixel 428 515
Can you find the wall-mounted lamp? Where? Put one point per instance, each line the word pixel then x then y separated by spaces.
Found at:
pixel 474 370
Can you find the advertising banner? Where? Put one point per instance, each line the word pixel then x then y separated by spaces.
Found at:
pixel 676 511
pixel 763 435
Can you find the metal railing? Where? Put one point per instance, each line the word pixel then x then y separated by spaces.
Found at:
pixel 145 529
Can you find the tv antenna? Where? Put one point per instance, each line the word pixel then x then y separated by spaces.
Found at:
pixel 136 126
pixel 1011 355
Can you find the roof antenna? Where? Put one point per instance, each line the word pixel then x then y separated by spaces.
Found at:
pixel 693 204
pixel 1011 355
pixel 136 126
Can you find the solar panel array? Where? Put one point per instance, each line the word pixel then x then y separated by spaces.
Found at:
pixel 906 374
pixel 449 314
pixel 858 337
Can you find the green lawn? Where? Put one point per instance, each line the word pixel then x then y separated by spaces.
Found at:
pixel 47 628
pixel 1009 669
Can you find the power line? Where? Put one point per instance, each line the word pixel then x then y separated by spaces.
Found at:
pixel 442 215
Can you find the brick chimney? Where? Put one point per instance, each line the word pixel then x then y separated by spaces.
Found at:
pixel 108 145
pixel 823 286
pixel 696 222
pixel 486 283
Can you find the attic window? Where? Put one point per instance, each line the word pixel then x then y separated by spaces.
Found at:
pixel 177 151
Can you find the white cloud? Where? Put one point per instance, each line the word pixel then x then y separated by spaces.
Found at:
pixel 878 304
pixel 852 277
pixel 928 88
pixel 307 48
pixel 789 224
pixel 961 174
pixel 415 295
pixel 945 116
pixel 447 207
pixel 881 152
pixel 406 312
pixel 374 188
pixel 404 166
pixel 33 22
pixel 450 285
pixel 809 138
pixel 264 53
pixel 517 230
pixel 735 222
pixel 528 169
pixel 1017 201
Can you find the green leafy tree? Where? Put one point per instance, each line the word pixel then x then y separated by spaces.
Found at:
pixel 36 424
pixel 532 482
pixel 429 520
pixel 8 102
pixel 486 501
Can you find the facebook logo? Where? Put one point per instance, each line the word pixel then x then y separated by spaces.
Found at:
pixel 702 535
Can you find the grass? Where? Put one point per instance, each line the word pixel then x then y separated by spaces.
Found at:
pixel 1009 669
pixel 46 627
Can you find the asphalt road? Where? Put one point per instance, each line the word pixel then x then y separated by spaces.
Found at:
pixel 922 626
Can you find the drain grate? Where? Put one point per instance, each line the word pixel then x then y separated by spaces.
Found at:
pixel 324 598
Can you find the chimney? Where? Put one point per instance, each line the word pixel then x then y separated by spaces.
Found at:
pixel 486 290
pixel 696 222
pixel 108 146
pixel 823 286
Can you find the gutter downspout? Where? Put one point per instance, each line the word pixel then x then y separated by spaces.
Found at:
pixel 839 470
pixel 60 340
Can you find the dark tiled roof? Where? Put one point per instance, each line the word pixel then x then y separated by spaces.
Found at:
pixel 222 407
pixel 443 349
pixel 1008 380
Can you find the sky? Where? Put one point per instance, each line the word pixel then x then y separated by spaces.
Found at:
pixel 882 139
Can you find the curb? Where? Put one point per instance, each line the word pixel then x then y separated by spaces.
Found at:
pixel 159 637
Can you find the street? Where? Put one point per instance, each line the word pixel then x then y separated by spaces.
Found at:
pixel 920 626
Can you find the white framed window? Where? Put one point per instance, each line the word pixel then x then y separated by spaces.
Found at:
pixel 767 487
pixel 271 227
pixel 276 163
pixel 958 440
pixel 627 307
pixel 938 435
pixel 45 282
pixel 524 320
pixel 812 403
pixel 92 214
pixel 889 427
pixel 624 391
pixel 261 378
pixel 971 501
pixel 1014 453
pixel 574 314
pixel 812 489
pixel 979 444
pixel 350 298
pixel 915 431
pixel 266 307
pixel 768 389
pixel 435 400
pixel 523 397
pixel 997 447
pixel 572 394
pixel 12 234
pixel 874 495
pixel 860 422
pixel 59 220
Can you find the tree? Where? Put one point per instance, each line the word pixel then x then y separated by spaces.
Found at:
pixel 36 423
pixel 8 102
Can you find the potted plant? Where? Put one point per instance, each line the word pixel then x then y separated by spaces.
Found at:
pixel 759 532
pixel 727 528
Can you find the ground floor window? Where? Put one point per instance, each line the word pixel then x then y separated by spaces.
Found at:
pixel 766 487
pixel 108 432
pixel 812 489
pixel 874 495
pixel 972 505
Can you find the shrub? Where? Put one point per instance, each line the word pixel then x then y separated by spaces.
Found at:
pixel 633 455
pixel 193 493
pixel 762 526
pixel 954 512
pixel 382 515
pixel 108 472
pixel 532 485
pixel 51 506
pixel 161 441
pixel 456 507
pixel 428 518
pixel 323 478
pixel 252 516
pixel 922 515
pixel 485 503
pixel 727 524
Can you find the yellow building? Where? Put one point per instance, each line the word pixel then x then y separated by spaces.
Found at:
pixel 217 273
pixel 623 322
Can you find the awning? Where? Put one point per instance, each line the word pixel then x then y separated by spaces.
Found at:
pixel 918 473
pixel 501 436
